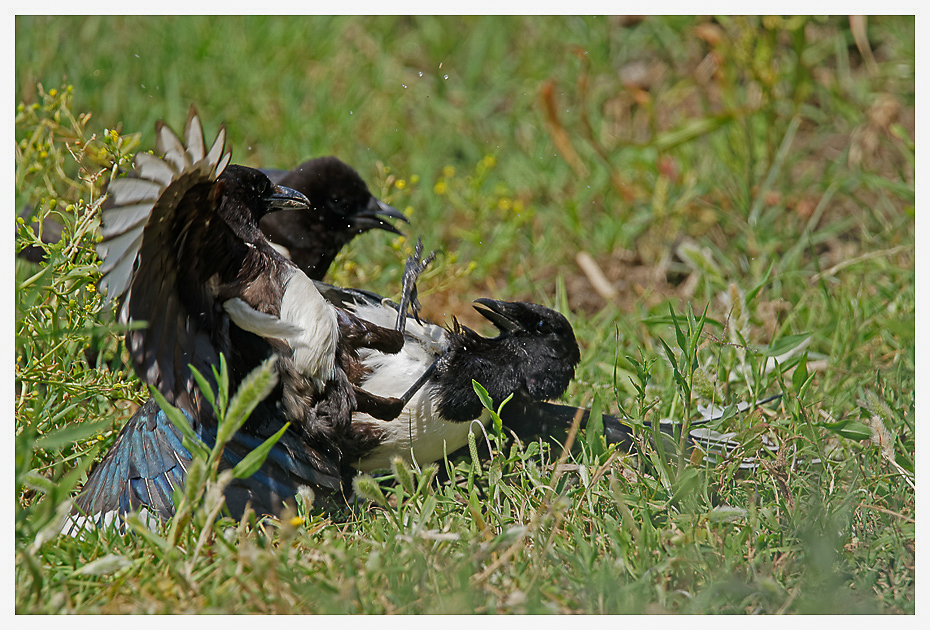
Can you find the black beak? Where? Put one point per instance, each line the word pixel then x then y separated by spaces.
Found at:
pixel 284 198
pixel 374 215
pixel 498 313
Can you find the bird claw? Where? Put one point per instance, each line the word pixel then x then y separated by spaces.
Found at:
pixel 408 299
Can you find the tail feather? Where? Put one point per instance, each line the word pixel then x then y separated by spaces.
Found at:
pixel 142 470
pixel 550 420
pixel 149 462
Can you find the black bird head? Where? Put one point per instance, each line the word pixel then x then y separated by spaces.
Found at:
pixel 258 193
pixel 341 207
pixel 246 195
pixel 340 197
pixel 538 341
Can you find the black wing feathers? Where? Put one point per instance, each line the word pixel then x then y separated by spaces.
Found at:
pixel 149 227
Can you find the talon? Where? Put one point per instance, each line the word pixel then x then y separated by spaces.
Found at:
pixel 415 266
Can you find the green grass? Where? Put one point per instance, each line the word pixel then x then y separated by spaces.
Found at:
pixel 759 168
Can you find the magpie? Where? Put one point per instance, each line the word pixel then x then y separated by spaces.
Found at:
pixel 341 207
pixel 532 359
pixel 183 250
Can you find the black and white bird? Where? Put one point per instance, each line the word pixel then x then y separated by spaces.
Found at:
pixel 532 358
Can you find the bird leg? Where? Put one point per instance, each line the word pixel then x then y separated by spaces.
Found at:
pixel 408 295
pixel 415 266
pixel 419 382
pixel 359 333
pixel 387 407
pixel 384 407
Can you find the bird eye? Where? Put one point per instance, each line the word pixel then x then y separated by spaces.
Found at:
pixel 542 326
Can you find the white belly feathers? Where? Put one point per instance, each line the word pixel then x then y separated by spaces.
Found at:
pixel 419 422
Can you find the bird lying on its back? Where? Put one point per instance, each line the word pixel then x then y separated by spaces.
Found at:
pixel 533 358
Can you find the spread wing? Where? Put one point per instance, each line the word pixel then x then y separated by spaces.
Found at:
pixel 157 260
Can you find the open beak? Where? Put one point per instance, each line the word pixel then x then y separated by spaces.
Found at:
pixel 375 215
pixel 284 198
pixel 498 313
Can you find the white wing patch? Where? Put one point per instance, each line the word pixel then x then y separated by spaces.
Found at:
pixel 307 324
pixel 315 347
pixel 262 324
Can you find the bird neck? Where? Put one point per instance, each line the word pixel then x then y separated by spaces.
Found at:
pixel 494 363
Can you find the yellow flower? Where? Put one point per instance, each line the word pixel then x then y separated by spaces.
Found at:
pixel 400 184
pixel 440 188
pixel 489 161
pixel 448 171
pixel 52 92
pixel 296 521
pixel 504 204
pixel 414 180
